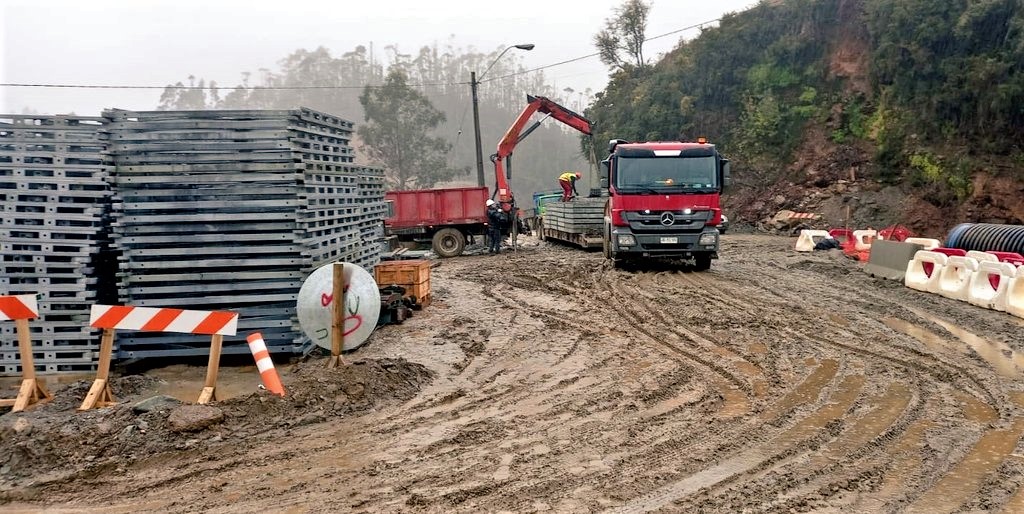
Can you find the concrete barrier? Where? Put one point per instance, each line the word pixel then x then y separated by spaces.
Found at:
pixel 923 271
pixel 926 243
pixel 1015 294
pixel 889 259
pixel 988 286
pixel 806 241
pixel 955 278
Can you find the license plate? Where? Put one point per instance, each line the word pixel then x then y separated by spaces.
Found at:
pixel 669 240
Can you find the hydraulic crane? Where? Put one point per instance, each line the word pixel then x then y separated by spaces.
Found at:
pixel 515 134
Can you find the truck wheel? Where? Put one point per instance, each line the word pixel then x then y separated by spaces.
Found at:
pixel 448 242
pixel 702 262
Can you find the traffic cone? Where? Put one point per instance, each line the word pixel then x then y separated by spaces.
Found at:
pixel 268 373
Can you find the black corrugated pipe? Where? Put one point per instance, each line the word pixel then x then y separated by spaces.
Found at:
pixel 987 237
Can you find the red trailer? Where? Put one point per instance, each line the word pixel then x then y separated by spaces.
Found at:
pixel 445 217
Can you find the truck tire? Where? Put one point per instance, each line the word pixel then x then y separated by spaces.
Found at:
pixel 702 262
pixel 448 242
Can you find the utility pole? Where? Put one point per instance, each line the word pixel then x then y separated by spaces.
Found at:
pixel 473 84
pixel 476 131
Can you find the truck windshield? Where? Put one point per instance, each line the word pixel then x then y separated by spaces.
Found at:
pixel 680 173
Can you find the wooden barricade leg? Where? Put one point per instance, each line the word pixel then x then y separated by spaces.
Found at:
pixel 100 394
pixel 209 393
pixel 32 389
pixel 338 317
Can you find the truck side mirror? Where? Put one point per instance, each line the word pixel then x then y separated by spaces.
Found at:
pixel 605 164
pixel 726 170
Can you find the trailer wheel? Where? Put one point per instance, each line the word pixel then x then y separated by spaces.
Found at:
pixel 448 242
pixel 702 262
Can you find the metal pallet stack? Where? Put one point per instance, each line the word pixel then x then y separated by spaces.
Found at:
pixel 53 235
pixel 231 210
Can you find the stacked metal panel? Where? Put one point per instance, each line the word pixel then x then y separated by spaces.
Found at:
pixel 231 210
pixel 582 216
pixel 53 236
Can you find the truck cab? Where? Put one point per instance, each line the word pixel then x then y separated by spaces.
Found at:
pixel 663 200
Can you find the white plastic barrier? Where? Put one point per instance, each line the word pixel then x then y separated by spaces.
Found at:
pixel 926 243
pixel 806 242
pixel 981 291
pixel 982 256
pixel 863 238
pixel 923 272
pixel 1015 294
pixel 955 278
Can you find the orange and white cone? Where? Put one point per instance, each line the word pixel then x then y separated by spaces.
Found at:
pixel 268 373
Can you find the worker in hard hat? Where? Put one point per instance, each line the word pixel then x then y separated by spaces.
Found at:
pixel 494 221
pixel 568 182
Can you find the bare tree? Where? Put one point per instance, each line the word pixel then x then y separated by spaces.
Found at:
pixel 621 43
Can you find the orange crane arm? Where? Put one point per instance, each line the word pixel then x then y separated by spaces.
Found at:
pixel 515 134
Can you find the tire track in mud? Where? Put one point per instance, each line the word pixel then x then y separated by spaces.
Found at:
pixel 951 371
pixel 853 441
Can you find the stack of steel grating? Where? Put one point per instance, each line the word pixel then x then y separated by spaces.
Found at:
pixel 231 210
pixel 53 235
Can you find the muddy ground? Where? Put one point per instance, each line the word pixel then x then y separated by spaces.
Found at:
pixel 549 381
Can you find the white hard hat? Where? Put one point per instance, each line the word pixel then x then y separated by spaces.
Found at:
pixel 490 202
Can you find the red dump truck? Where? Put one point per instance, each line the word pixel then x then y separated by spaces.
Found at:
pixel 446 218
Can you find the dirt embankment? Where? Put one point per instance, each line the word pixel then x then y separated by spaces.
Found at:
pixel 775 382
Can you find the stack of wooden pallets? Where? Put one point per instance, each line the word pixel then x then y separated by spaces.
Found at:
pixel 53 235
pixel 231 210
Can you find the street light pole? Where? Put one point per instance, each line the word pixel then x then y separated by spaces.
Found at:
pixel 474 82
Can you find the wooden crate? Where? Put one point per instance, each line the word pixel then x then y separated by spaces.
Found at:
pixel 413 275
pixel 402 273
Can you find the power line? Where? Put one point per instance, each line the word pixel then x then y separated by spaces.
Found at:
pixel 219 88
pixel 294 88
pixel 588 56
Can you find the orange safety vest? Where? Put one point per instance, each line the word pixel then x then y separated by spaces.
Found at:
pixel 567 176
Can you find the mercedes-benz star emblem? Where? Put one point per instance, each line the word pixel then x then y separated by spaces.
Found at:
pixel 667 218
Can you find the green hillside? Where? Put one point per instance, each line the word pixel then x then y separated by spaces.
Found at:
pixel 827 103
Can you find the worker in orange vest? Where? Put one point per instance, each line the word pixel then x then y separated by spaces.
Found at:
pixel 568 182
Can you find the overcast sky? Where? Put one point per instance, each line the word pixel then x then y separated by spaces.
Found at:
pixel 159 42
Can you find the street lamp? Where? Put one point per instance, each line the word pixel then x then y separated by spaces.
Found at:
pixel 473 83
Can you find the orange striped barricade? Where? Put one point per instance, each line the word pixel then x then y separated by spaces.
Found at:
pixel 22 308
pixel 268 373
pixel 217 324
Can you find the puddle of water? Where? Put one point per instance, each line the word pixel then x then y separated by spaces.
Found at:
pixel 839 320
pixel 671 404
pixel 965 479
pixel 758 348
pixel 186 382
pixel 806 392
pixel 735 404
pixel 1004 359
pixel 927 337
pixel 975 409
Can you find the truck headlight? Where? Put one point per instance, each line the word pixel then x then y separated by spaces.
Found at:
pixel 708 239
pixel 627 240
